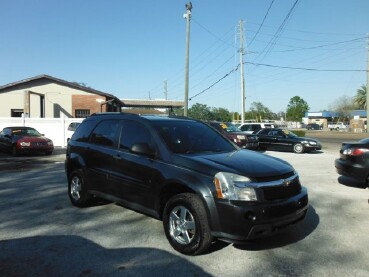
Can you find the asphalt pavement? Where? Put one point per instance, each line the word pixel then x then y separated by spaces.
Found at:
pixel 42 234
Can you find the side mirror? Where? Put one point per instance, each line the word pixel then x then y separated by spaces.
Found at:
pixel 142 149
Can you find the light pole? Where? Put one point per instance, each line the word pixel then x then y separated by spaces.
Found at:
pixel 187 16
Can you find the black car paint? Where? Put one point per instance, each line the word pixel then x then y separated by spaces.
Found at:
pixel 356 167
pixel 283 141
pixel 143 183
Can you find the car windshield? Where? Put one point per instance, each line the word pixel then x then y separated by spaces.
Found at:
pixel 184 137
pixel 231 128
pixel 30 132
pixel 289 134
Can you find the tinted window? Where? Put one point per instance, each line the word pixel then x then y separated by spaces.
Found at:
pixel 246 128
pixel 83 132
pixel 105 133
pixel 134 132
pixel 255 127
pixel 264 132
pixel 191 137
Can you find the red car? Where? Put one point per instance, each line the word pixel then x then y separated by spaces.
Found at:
pixel 234 134
pixel 24 140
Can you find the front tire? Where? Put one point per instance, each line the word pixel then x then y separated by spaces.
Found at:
pixel 77 192
pixel 186 224
pixel 298 148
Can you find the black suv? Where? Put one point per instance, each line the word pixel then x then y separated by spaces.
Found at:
pixel 185 173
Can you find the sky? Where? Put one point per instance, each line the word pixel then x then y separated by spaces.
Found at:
pixel 131 48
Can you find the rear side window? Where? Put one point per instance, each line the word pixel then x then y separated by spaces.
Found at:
pixel 134 132
pixel 264 132
pixel 84 131
pixel 256 127
pixel 105 133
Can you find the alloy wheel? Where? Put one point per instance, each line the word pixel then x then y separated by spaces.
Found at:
pixel 182 225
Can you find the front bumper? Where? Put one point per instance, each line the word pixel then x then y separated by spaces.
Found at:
pixel 350 169
pixel 245 221
pixel 309 147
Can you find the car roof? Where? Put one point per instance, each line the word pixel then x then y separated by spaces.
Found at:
pixel 147 117
pixel 18 127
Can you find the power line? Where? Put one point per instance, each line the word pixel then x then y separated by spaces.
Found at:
pixel 277 34
pixel 314 47
pixel 225 76
pixel 211 33
pixel 262 23
pixel 275 66
pixel 307 69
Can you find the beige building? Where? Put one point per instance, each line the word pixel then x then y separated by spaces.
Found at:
pixel 45 96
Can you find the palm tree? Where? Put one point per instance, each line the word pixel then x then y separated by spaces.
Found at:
pixel 360 97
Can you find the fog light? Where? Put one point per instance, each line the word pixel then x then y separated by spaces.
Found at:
pixel 250 216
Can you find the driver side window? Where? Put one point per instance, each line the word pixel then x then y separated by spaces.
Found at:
pixel 134 132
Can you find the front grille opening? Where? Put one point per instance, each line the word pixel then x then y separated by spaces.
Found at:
pixel 282 191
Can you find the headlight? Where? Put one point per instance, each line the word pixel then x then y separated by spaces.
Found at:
pixel 50 143
pixel 312 142
pixel 23 143
pixel 234 187
pixel 241 137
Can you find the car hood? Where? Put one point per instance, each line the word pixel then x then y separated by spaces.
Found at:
pixel 243 162
pixel 33 139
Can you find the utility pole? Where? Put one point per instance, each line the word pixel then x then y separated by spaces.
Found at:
pixel 166 89
pixel 243 97
pixel 187 16
pixel 367 88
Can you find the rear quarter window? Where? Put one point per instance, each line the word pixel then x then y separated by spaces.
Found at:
pixel 83 132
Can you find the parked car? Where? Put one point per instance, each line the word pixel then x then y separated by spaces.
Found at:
pixel 19 140
pixel 354 160
pixel 282 139
pixel 313 126
pixel 337 126
pixel 242 139
pixel 71 129
pixel 185 173
pixel 252 128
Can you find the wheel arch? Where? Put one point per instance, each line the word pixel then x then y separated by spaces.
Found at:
pixel 175 188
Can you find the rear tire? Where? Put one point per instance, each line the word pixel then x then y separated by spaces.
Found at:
pixel 77 190
pixel 186 224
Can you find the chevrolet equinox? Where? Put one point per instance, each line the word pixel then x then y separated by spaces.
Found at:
pixel 202 186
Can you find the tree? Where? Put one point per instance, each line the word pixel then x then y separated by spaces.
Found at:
pixel 221 114
pixel 200 112
pixel 343 106
pixel 360 97
pixel 296 109
pixel 259 112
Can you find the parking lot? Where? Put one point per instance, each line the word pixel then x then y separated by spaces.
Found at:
pixel 41 234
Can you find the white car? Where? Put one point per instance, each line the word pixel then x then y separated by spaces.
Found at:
pixel 71 128
pixel 251 128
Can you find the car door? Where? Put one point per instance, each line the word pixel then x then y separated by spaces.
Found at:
pixel 281 140
pixel 133 176
pixel 266 140
pixel 102 142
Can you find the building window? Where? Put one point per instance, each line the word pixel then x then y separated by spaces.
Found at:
pixel 16 112
pixel 82 113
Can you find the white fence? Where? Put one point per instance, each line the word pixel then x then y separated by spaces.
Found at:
pixel 55 129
